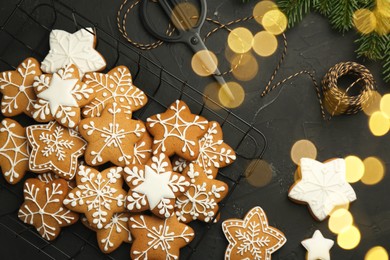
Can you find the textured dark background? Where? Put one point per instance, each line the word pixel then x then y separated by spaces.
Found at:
pixel 295 115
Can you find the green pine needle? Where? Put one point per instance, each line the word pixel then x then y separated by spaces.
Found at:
pixel 295 9
pixel 341 14
pixel 371 46
pixel 386 62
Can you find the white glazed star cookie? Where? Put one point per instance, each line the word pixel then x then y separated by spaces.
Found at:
pixel 317 247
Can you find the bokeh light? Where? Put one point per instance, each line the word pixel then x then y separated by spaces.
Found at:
pixel 275 22
pixel 374 171
pixel 303 148
pixel 354 168
pixel 377 253
pixel 258 173
pixel 210 96
pixel 244 66
pixel 339 220
pixel 240 40
pixel 379 123
pixel 187 15
pixel 262 8
pixel 364 21
pixel 265 43
pixel 237 92
pixel 374 105
pixel 204 63
pixel 349 238
pixel 385 105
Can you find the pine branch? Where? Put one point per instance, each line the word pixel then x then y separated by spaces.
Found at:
pixel 323 6
pixel 386 62
pixel 341 14
pixel 372 46
pixel 295 9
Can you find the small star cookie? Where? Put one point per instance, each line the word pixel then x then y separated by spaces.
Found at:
pixel 73 48
pixel 54 148
pixel 14 151
pixel 111 137
pixel 115 86
pixel 43 207
pixel 317 247
pixel 322 186
pixel 252 238
pixel 99 195
pixel 154 186
pixel 17 88
pixel 60 97
pixel 177 131
pixel 202 198
pixel 155 238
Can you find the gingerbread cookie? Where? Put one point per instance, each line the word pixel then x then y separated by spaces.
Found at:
pixel 48 177
pixel 14 151
pixel 60 96
pixel 115 86
pixel 143 149
pixel 54 148
pixel 202 198
pixel 252 238
pixel 155 238
pixel 177 130
pixel 317 247
pixel 99 195
pixel 322 186
pixel 43 207
pixel 17 88
pixel 73 48
pixel 111 137
pixel 154 186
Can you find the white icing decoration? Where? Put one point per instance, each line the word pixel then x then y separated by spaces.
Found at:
pixel 179 164
pixel 117 225
pixel 54 143
pixel 48 177
pixel 141 151
pixel 323 186
pixel 318 247
pixel 77 48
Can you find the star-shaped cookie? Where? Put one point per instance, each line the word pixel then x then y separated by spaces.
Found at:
pixel 43 207
pixel 99 195
pixel 115 86
pixel 73 48
pixel 201 200
pixel 177 131
pixel 60 96
pixel 14 151
pixel 54 148
pixel 322 186
pixel 155 238
pixel 17 88
pixel 252 238
pixel 318 247
pixel 111 137
pixel 154 186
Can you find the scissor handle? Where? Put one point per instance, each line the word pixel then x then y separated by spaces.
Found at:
pixel 183 35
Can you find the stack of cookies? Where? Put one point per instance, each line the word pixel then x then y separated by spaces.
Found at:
pixel 133 181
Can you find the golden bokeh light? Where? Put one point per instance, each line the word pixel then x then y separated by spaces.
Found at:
pixel 364 21
pixel 379 123
pixel 374 171
pixel 275 22
pixel 265 43
pixel 385 105
pixel 383 6
pixel 245 67
pixel 349 238
pixel 382 19
pixel 258 173
pixel 374 105
pixel 237 92
pixel 240 40
pixel 303 148
pixel 339 220
pixel 210 96
pixel 262 8
pixel 185 15
pixel 377 253
pixel 354 168
pixel 204 63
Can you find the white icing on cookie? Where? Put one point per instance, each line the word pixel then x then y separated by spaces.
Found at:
pixel 318 247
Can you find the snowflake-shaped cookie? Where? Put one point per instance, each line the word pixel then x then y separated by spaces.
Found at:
pixel 14 151
pixel 322 186
pixel 202 198
pixel 111 137
pixel 177 130
pixel 17 88
pixel 252 238
pixel 154 186
pixel 60 97
pixel 73 48
pixel 43 207
pixel 98 194
pixel 54 148
pixel 115 86
pixel 155 238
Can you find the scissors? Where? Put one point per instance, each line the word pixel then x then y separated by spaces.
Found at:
pixel 186 33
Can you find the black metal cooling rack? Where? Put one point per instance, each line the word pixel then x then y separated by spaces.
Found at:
pixel 25 33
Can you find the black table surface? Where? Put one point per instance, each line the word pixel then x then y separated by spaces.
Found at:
pixel 294 115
